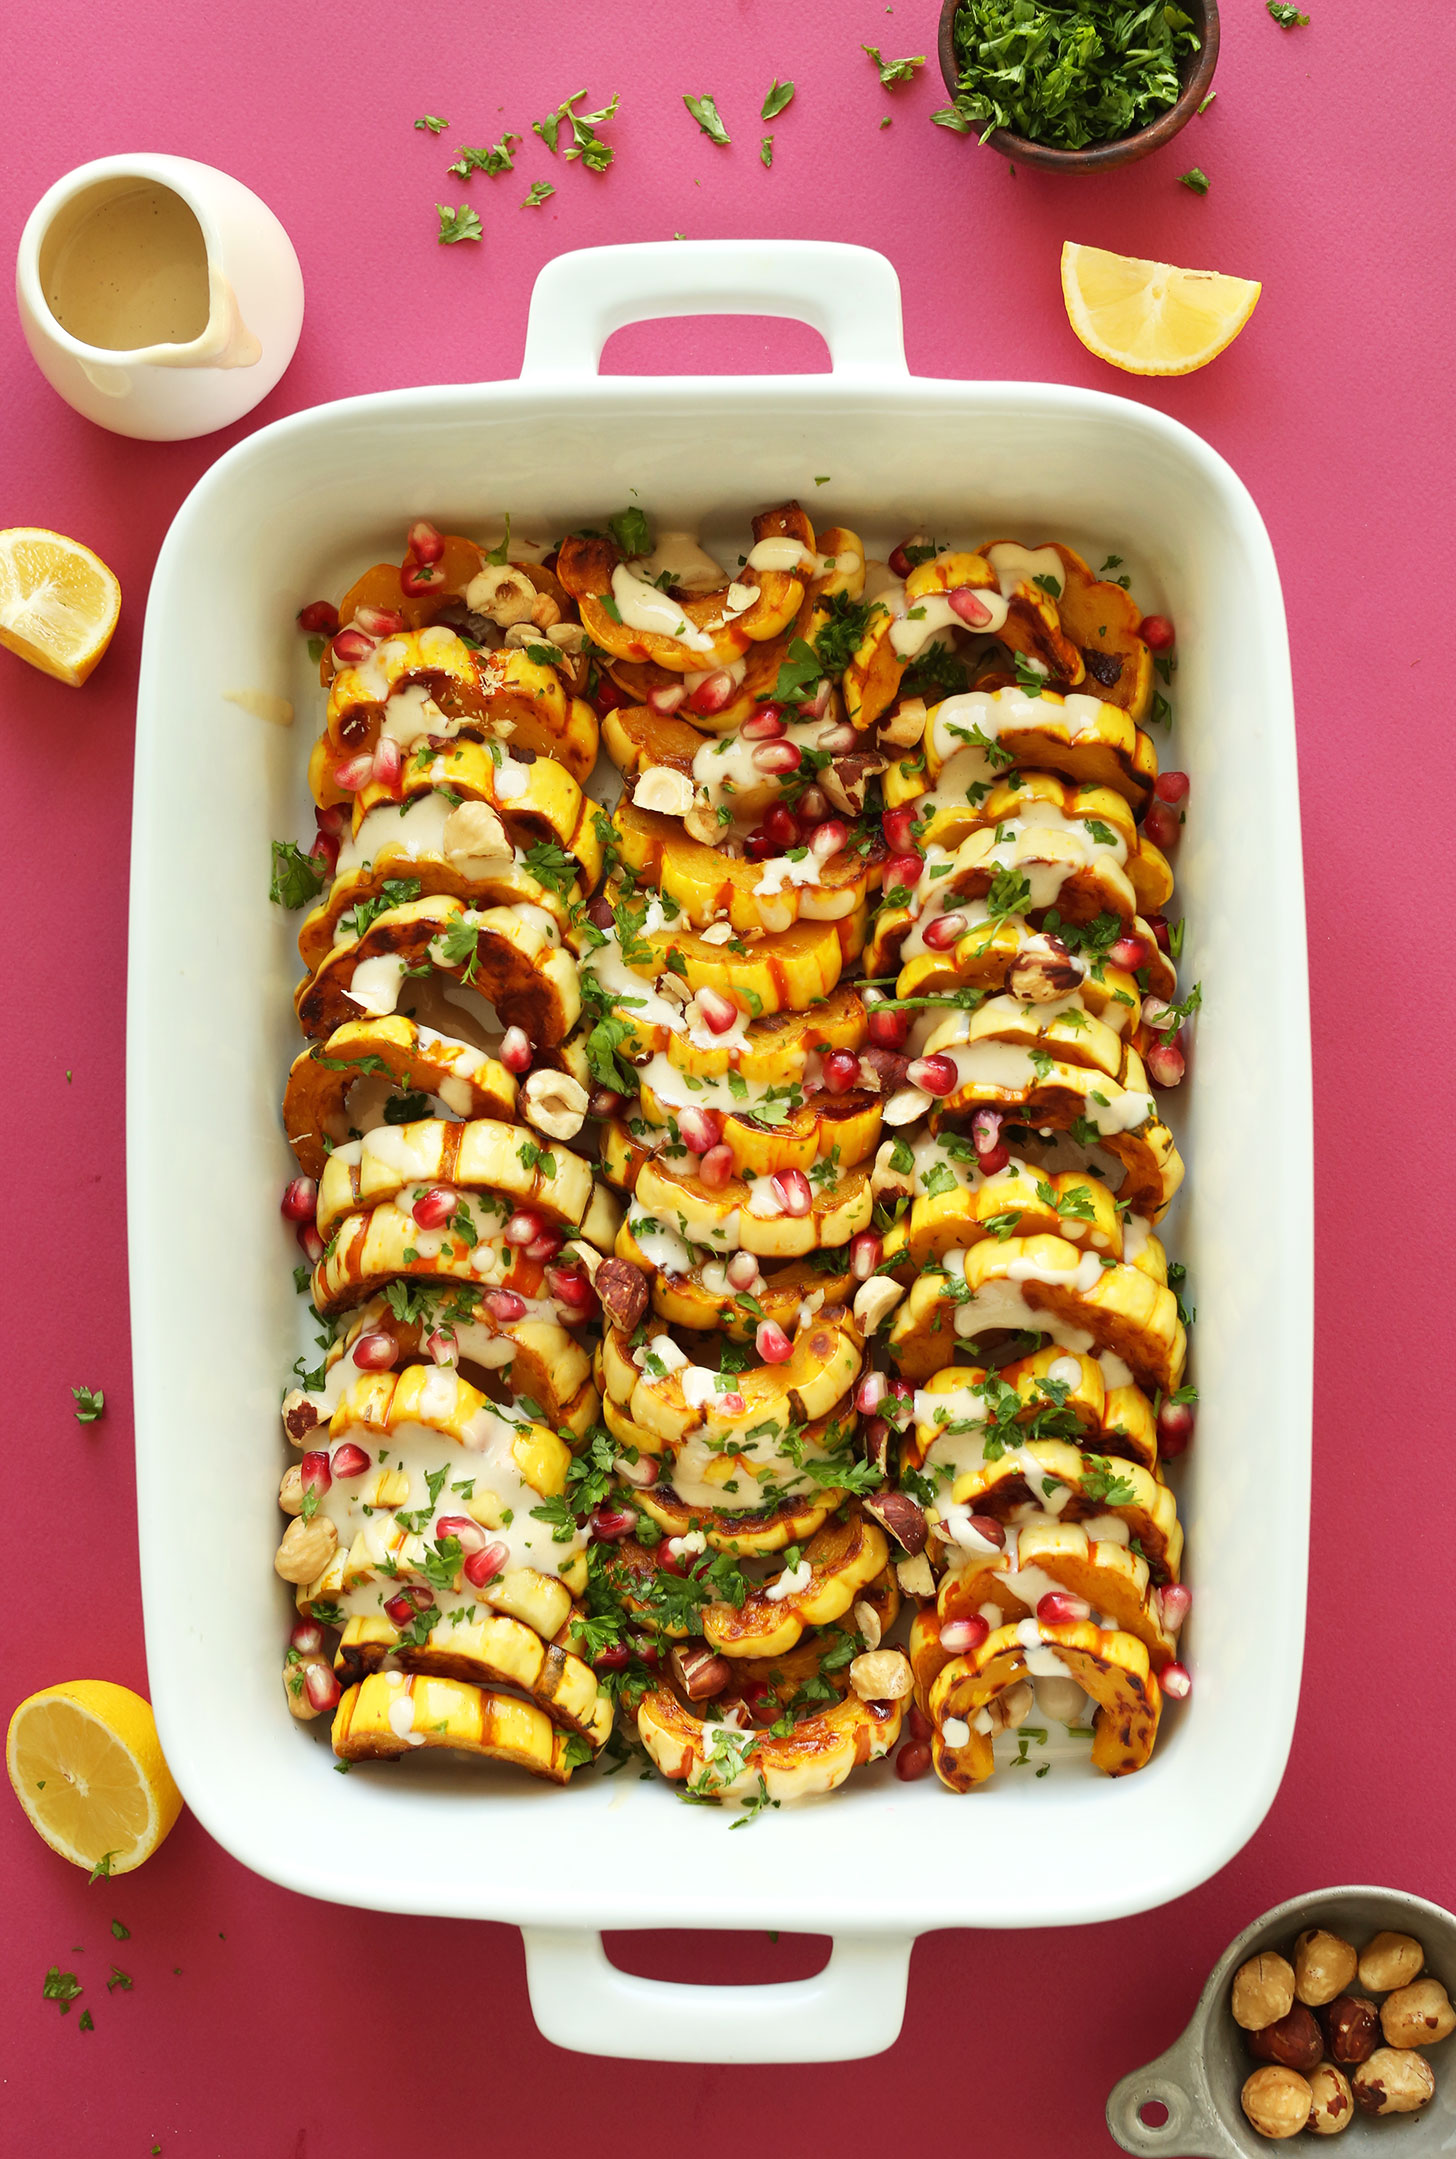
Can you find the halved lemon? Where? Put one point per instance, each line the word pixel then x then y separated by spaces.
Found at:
pixel 58 602
pixel 1151 318
pixel 87 1768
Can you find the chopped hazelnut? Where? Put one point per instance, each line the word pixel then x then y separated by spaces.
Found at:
pixel 306 1549
pixel 1277 2102
pixel 554 1103
pixel 1395 2080
pixel 1419 2015
pixel 1263 1991
pixel 290 1491
pixel 1324 1966
pixel 881 1675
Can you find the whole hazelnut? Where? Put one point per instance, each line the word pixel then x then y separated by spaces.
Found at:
pixel 1390 1961
pixel 1263 1991
pixel 1324 1966
pixel 1333 2107
pixel 1417 2016
pixel 1296 2041
pixel 1277 2101
pixel 1352 2028
pixel 1394 2081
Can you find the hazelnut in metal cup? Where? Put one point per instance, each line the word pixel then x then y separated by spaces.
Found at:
pixel 1395 2080
pixel 1263 1991
pixel 1351 2027
pixel 1389 1961
pixel 1333 2104
pixel 1324 1966
pixel 1296 2041
pixel 1419 2015
pixel 1277 2101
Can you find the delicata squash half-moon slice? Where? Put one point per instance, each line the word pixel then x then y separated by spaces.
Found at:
pixel 1098 1414
pixel 486 1154
pixel 667 1393
pixel 1100 618
pixel 970 738
pixel 746 1215
pixel 392 1713
pixel 1074 1485
pixel 842 1128
pixel 837 1563
pixel 511 958
pixel 400 1054
pixel 1112 1578
pixel 537 801
pixel 725 1761
pixel 790 1521
pixel 710 887
pixel 737 1490
pixel 1041 1285
pixel 633 620
pixel 1100 814
pixel 1110 1666
pixel 704 1301
pixel 993 956
pixel 436 687
pixel 960 1205
pixel 487 1650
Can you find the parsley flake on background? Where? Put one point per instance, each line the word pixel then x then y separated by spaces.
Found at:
pixel 90 1402
pixel 1287 17
pixel 461 224
pixel 436 127
pixel 1195 179
pixel 778 97
pixel 540 189
pixel 893 71
pixel 595 153
pixel 499 158
pixel 705 112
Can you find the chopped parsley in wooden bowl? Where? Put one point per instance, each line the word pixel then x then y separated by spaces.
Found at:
pixel 1076 85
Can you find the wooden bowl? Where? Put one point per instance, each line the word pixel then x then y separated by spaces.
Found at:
pixel 1197 77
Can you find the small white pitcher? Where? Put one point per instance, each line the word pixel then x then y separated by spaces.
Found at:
pixel 163 392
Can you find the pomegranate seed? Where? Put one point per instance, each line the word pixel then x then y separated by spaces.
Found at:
pixel 1156 632
pixel 325 849
pixel 524 1227
pixel 355 772
pixel 993 1162
pixel 987 1526
pixel 717 1012
pixel 902 871
pixel 389 766
pixel 837 739
pixel 1128 952
pixel 715 1168
pixel 772 1344
pixel 1059 1608
pixel 378 621
pixel 403 1605
pixel 933 1075
pixel 887 1027
pixel 1158 924
pixel 467 1532
pixel 865 1253
pixel 815 707
pixel 829 838
pixel 334 820
pixel 986 1130
pixel 612 1657
pixel 517 1050
pixel 504 1306
pixel 569 1286
pixel 713 692
pixel 701 1128
pixel 317 1476
pixel 765 725
pixel 606 696
pixel 812 806
pixel 900 562
pixel 351 646
pixel 1176 1680
pixel 349 1460
pixel 376 1352
pixel 442 1347
pixel 434 1208
pixel 310 1243
pixel 840 1071
pixel 642 1474
pixel 774 758
pixel 1163 825
pixel 761 1703
pixel 1171 787
pixel 307 1637
pixel 794 1191
pixel 780 827
pixel 482 1567
pixel 970 606
pixel 319 616
pixel 958 1637
pixel 1166 1064
pixel 942 931
pixel 1174 1604
pixel 902 1390
pixel 898 827
pixel 610 1524
pixel 870 1393
pixel 667 697
pixel 418 578
pixel 424 542
pixel 917 1724
pixel 300 1200
pixel 732 1404
pixel 1175 1428
pixel 742 1270
pixel 546 1246
pixel 913 1760
pixel 321 1686
pixel 605 1102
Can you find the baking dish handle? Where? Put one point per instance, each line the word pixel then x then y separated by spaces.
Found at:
pixel 850 295
pixel 854 2007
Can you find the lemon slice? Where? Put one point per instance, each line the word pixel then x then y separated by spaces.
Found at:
pixel 58 602
pixel 87 1768
pixel 1151 318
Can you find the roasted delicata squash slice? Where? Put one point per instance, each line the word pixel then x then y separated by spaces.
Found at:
pixel 1111 1577
pixel 1100 618
pixel 747 1215
pixel 1110 1666
pixel 688 636
pixel 1099 815
pixel 485 1154
pixel 772 1467
pixel 1019 1200
pixel 513 960
pixel 403 1057
pixel 667 1393
pixel 973 738
pixel 900 627
pixel 1041 1285
pixel 783 971
pixel 1101 1415
pixel 1004 955
pixel 791 1521
pixel 537 801
pixel 843 1129
pixel 637 739
pixel 1075 1486
pixel 724 1761
pixel 837 1563
pixel 711 887
pixel 392 1713
pixel 489 1650
pixel 703 1300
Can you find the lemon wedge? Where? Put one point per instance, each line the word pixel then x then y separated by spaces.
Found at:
pixel 1151 318
pixel 58 602
pixel 87 1768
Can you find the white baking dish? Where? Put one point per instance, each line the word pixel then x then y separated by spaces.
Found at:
pixel 296 510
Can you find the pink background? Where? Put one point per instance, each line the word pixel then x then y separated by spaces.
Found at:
pixel 296 2029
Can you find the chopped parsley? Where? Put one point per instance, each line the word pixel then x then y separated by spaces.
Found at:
pixel 1287 16
pixel 501 158
pixel 586 144
pixel 705 112
pixel 436 127
pixel 90 1402
pixel 778 97
pixel 540 189
pixel 893 71
pixel 297 877
pixel 1195 179
pixel 461 224
pixel 1069 74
